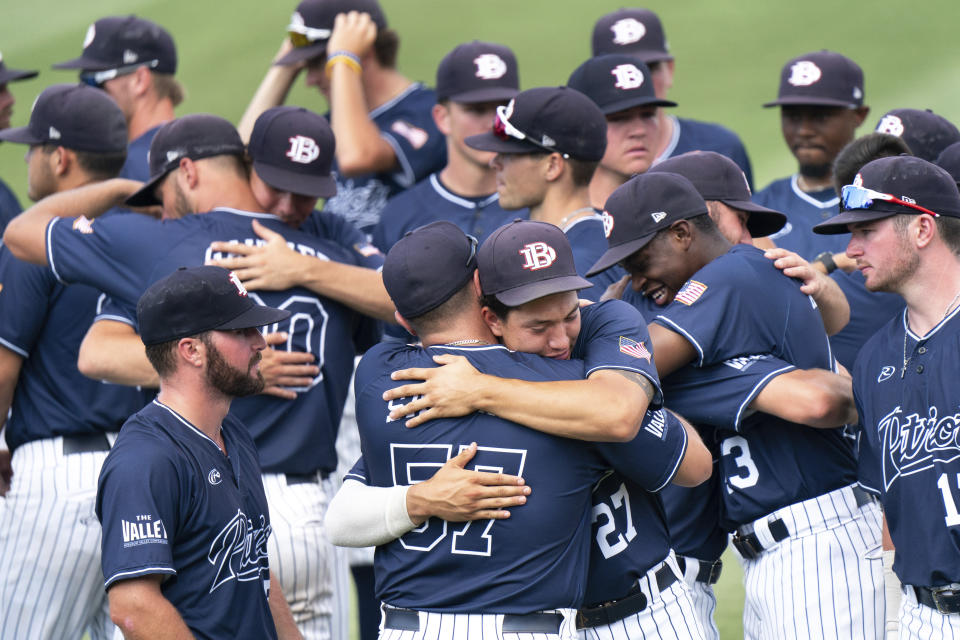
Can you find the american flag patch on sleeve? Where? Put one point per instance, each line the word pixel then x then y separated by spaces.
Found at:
pixel 690 292
pixel 634 348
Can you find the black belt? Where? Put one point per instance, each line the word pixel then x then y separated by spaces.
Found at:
pixel 85 443
pixel 409 620
pixel 708 572
pixel 946 600
pixel 748 544
pixel 306 478
pixel 634 602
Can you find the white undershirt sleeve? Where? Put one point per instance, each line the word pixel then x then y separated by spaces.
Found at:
pixel 364 516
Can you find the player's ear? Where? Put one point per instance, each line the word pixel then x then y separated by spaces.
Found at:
pixel 476 284
pixel 60 161
pixel 861 114
pixel 441 117
pixel 141 81
pixel 492 321
pixel 554 167
pixel 191 351
pixel 188 173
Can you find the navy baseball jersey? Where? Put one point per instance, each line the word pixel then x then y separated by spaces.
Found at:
pixel 406 123
pixel 122 255
pixel 172 503
pixel 715 399
pixel 868 310
pixel 693 135
pixel 740 305
pixel 430 200
pixel 136 166
pixel 537 559
pixel 589 242
pixel 9 206
pixel 910 421
pixel 44 322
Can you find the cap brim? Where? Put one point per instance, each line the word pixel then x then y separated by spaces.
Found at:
pixel 301 54
pixel 21 135
pixel 12 75
pixel 809 101
pixel 762 221
pixel 146 195
pixel 256 316
pixel 620 252
pixel 490 142
pixel 488 94
pixel 86 64
pixel 536 290
pixel 838 224
pixel 297 183
pixel 623 105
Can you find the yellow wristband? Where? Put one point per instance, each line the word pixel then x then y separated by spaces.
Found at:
pixel 345 59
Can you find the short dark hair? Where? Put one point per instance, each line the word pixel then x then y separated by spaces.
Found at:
pixel 99 166
pixel 947 226
pixel 582 171
pixel 498 308
pixel 437 319
pixel 385 48
pixel 163 357
pixel 863 150
pixel 704 224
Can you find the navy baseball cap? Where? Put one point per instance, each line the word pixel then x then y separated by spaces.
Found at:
pixel 950 160
pixel 525 260
pixel 640 208
pixel 820 79
pixel 550 119
pixel 478 72
pixel 427 266
pixel 193 300
pixel 75 117
pixel 615 83
pixel 121 41
pixel 292 150
pixel 891 186
pixel 926 133
pixel 195 136
pixel 12 75
pixel 312 23
pixel 636 32
pixel 717 177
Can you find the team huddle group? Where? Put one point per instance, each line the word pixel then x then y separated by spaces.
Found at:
pixel 592 358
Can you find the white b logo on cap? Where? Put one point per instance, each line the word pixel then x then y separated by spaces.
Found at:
pixel 890 124
pixel 628 76
pixel 303 149
pixel 627 31
pixel 537 255
pixel 242 290
pixel 804 74
pixel 490 66
pixel 607 224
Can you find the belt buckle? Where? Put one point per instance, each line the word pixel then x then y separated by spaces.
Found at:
pixel 745 547
pixel 947 599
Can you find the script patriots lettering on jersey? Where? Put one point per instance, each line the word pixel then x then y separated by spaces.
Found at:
pixel 655 423
pixel 914 443
pixel 633 348
pixel 416 136
pixel 302 249
pixel 143 530
pixel 239 551
pixel 690 292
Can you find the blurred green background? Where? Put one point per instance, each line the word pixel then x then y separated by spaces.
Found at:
pixel 728 57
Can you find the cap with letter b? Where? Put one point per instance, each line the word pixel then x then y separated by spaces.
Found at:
pixel 820 79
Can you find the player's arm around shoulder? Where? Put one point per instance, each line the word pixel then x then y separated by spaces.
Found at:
pixel 814 397
pixel 113 351
pixel 139 609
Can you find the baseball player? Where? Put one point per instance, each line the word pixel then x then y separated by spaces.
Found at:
pixel 294 438
pixel 639 33
pixel 950 160
pixel 133 60
pixel 902 215
pixel 183 509
pixel 495 565
pixel 861 151
pixel 822 103
pixel 387 140
pixel 787 489
pixel 926 133
pixel 62 423
pixel 9 205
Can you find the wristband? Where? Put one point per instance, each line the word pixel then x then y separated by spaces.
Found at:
pixel 826 259
pixel 345 57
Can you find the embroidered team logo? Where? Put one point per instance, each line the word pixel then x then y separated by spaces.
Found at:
pixel 490 66
pixel 91 34
pixel 658 216
pixel 547 141
pixel 914 443
pixel 303 149
pixel 366 249
pixel 690 292
pixel 537 255
pixel 743 363
pixel 83 224
pixel 239 551
pixel 857 93
pixel 242 290
pixel 890 124
pixel 628 76
pixel 886 373
pixel 416 136
pixel 804 74
pixel 143 530
pixel 607 224
pixel 627 31
pixel 129 57
pixel 214 477
pixel 633 348
pixel 54 133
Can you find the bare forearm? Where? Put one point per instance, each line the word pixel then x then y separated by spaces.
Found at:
pixel 833 305
pixel 357 287
pixel 360 149
pixel 272 92
pixel 10 364
pixel 280 610
pixel 147 617
pixel 112 351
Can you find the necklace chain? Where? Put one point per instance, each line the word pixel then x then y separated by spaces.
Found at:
pixel 458 343
pixel 574 214
pixel 906 360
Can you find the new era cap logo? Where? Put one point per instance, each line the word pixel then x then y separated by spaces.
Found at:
pixel 804 74
pixel 628 76
pixel 303 149
pixel 537 255
pixel 607 224
pixel 129 57
pixel 91 34
pixel 490 66
pixel 658 216
pixel 890 124
pixel 627 31
pixel 857 93
pixel 54 133
pixel 239 285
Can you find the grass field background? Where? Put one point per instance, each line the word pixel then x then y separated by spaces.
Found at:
pixel 728 57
